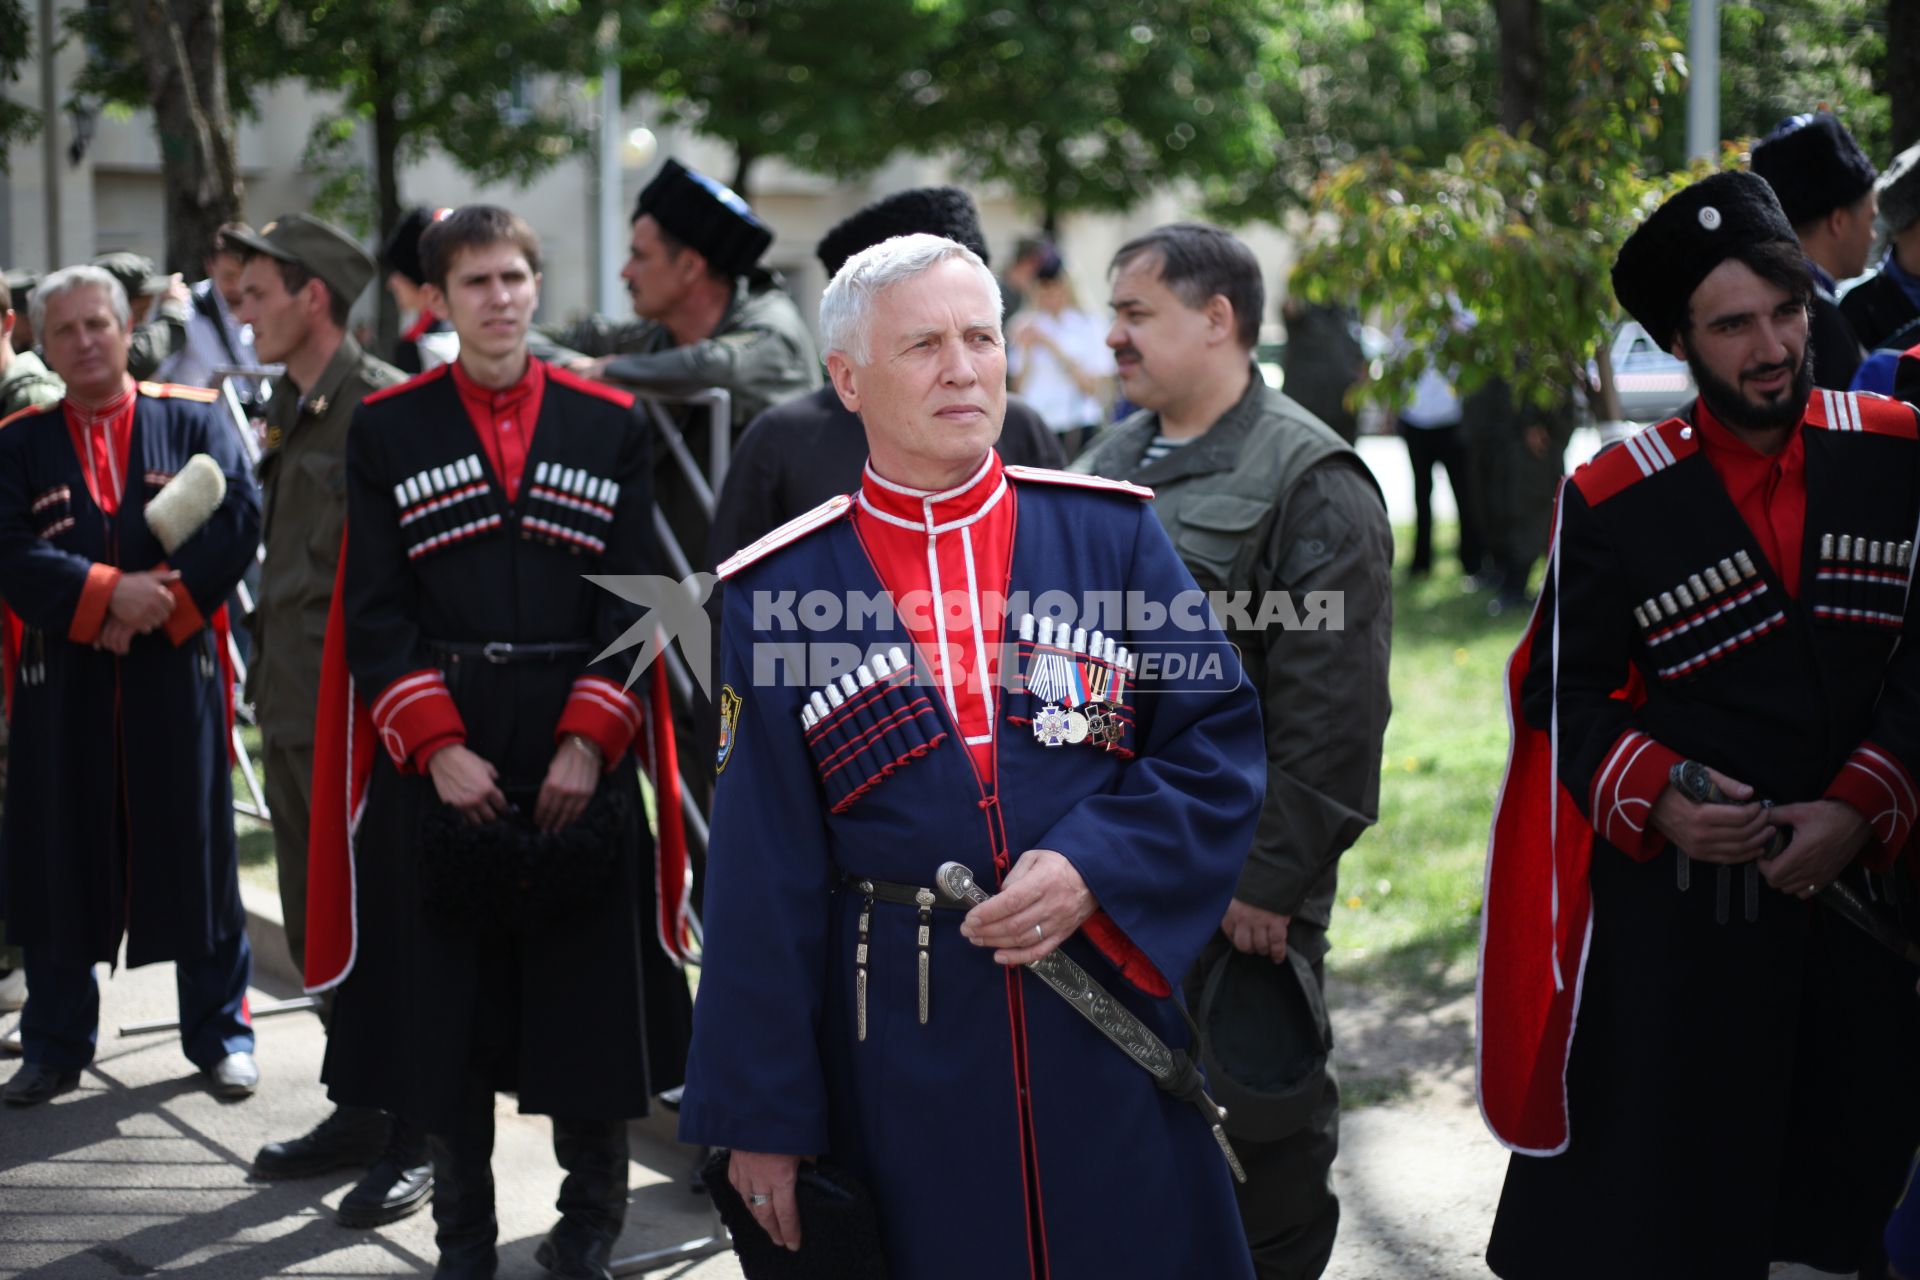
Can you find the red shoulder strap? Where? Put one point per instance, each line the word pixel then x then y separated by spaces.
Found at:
pixel 1862 411
pixel 417 380
pixel 1645 453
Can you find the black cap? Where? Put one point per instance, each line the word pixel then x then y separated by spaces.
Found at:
pixel 1814 166
pixel 704 215
pixel 1682 241
pixel 1899 191
pixel 934 211
pixel 1270 1071
pixel 402 250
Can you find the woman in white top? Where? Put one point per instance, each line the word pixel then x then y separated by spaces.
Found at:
pixel 1060 361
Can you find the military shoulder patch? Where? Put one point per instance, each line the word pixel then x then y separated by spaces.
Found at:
pixel 1862 411
pixel 417 380
pixel 792 531
pixel 1642 454
pixel 30 411
pixel 729 726
pixel 178 391
pixel 1078 480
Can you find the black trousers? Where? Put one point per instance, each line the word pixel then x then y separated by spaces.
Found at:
pixel 1428 447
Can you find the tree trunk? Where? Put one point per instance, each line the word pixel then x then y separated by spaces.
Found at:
pixel 1523 63
pixel 386 178
pixel 1903 71
pixel 182 46
pixel 745 153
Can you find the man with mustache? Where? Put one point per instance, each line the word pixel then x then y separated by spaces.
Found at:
pixel 1262 499
pixel 1673 1034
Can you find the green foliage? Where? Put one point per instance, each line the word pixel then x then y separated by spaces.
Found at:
pixel 1078 108
pixel 1778 59
pixel 1075 106
pixel 1519 233
pixel 828 85
pixel 17 121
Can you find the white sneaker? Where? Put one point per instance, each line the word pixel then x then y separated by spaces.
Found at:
pixel 13 991
pixel 10 1043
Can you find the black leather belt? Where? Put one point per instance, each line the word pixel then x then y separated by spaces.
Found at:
pixel 907 895
pixel 502 652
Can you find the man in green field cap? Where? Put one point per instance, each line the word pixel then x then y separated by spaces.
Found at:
pixel 298 279
pixel 159 306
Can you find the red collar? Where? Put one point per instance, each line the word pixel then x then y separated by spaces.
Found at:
pixel 931 511
pixel 499 400
pixel 504 419
pixel 102 437
pixel 1769 490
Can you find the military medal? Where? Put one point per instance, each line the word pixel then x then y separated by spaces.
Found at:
pixel 1051 725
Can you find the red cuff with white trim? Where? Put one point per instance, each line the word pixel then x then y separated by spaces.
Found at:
pixel 1630 779
pixel 415 717
pixel 602 711
pixel 185 621
pixel 90 614
pixel 1879 787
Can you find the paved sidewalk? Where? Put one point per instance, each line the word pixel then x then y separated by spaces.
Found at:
pixel 142 1172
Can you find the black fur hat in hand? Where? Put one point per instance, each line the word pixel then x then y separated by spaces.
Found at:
pixel 1665 259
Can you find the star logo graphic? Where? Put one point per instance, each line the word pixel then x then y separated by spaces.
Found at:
pixel 672 610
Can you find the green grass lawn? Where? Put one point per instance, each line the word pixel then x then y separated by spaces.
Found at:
pixel 1409 905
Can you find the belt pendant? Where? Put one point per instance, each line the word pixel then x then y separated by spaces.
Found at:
pixel 925 898
pixel 860 962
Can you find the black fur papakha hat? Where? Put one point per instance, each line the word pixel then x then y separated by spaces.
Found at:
pixel 1682 241
pixel 936 211
pixel 706 216
pixel 1814 166
pixel 402 250
pixel 1899 191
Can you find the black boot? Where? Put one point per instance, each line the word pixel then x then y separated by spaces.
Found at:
pixel 350 1138
pixel 397 1185
pixel 593 1199
pixel 464 1225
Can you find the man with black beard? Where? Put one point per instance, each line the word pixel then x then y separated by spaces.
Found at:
pixel 1674 1033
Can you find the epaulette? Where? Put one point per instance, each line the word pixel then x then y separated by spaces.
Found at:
pixel 1079 480
pixel 1642 454
pixel 178 391
pixel 587 386
pixel 28 412
pixel 792 531
pixel 1862 411
pixel 417 380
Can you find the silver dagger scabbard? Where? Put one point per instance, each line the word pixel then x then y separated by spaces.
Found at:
pixel 1112 1019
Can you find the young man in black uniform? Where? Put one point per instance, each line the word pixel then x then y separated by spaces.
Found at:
pixel 1701 1069
pixel 1825 186
pixel 479 495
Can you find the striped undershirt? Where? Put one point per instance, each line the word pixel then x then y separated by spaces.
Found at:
pixel 1160 447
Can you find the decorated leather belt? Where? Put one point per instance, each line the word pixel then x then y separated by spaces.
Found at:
pixel 906 895
pixel 1172 1070
pixel 503 653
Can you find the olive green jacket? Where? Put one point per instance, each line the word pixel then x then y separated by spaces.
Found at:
pixel 303 482
pixel 1270 500
pixel 762 352
pixel 28 384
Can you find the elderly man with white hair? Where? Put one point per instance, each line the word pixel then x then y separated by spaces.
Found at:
pixel 126 516
pixel 1005 668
